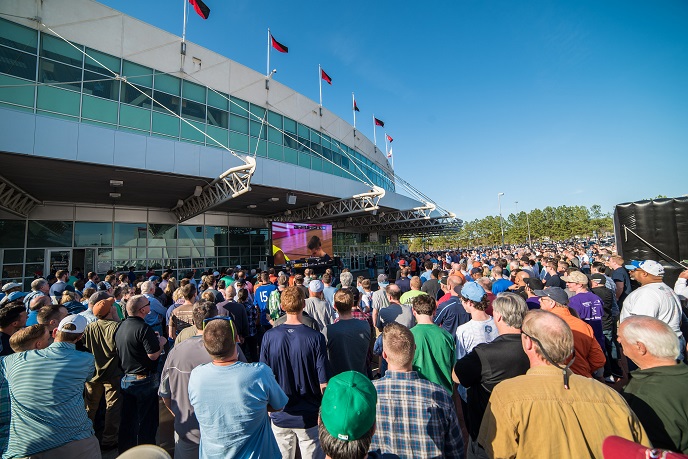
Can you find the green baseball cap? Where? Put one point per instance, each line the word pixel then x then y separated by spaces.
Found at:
pixel 348 406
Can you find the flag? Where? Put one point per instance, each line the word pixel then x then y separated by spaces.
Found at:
pixel 379 122
pixel 356 106
pixel 325 76
pixel 389 155
pixel 278 46
pixel 201 8
pixel 389 139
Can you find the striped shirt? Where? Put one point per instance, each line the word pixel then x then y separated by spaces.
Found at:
pixel 46 396
pixel 415 418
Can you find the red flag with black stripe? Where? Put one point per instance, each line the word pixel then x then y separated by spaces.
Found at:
pixel 379 122
pixel 278 46
pixel 325 76
pixel 201 8
pixel 356 107
pixel 389 139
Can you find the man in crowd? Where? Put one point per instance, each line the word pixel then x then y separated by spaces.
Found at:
pixel 621 279
pixel 261 300
pixel 156 316
pixel 39 287
pixel 657 391
pixel 328 289
pixel 395 311
pixel 654 298
pixel 138 348
pixel 432 285
pixel 499 284
pixel 233 423
pixel 12 318
pixel 297 356
pixel 348 340
pixel 589 355
pixel 435 348
pixel 404 281
pixel 380 299
pixel 555 279
pixel 491 363
pixel 316 306
pixel 99 340
pixel 415 417
pixel 588 305
pixel 347 416
pixel 58 287
pixel 609 319
pixel 182 315
pixel 51 316
pixel 451 313
pixel 546 414
pixel 407 298
pixel 48 418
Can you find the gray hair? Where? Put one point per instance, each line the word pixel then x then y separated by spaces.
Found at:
pixel 38 284
pixel 346 278
pixel 147 286
pixel 659 339
pixel 512 307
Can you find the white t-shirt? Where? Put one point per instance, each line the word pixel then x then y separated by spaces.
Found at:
pixel 472 333
pixel 656 300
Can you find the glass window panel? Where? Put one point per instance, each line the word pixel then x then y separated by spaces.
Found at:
pixel 197 252
pixel 193 110
pixel 134 117
pixel 238 141
pixel 257 111
pixel 121 253
pixel 162 235
pixel 88 234
pixel 290 125
pixel 216 235
pixel 218 100
pixel 12 272
pixel 315 137
pixel 217 117
pixel 183 252
pixel 289 141
pixel 238 124
pixel 337 158
pixel 304 132
pixel 290 156
pixel 16 63
pixel 316 164
pixel 345 162
pixel 169 252
pixel 137 74
pixel 275 151
pixel 35 256
pixel 18 36
pixel 58 100
pixel 193 91
pixel 259 130
pixel 165 100
pixel 327 153
pixel 130 234
pixel 325 140
pixel 191 235
pixel 238 106
pixel 155 252
pixel 59 50
pixel 211 262
pixel 275 119
pixel 34 270
pixel 99 109
pixel 44 233
pixel 221 135
pixel 132 95
pixel 22 95
pixel 101 85
pixel 184 263
pixel 56 73
pixel 303 144
pixel 274 135
pixel 108 61
pixel 304 160
pixel 327 167
pixel 258 147
pixel 12 233
pixel 190 133
pixel 167 83
pixel 315 149
pixel 165 124
pixel 13 256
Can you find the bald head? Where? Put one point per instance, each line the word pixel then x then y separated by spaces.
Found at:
pixel 40 301
pixel 552 333
pixel 646 338
pixel 394 292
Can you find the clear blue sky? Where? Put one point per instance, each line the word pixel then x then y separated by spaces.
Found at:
pixel 551 102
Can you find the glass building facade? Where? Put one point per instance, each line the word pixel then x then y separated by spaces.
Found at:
pixel 45 75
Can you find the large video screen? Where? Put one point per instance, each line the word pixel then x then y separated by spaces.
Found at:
pixel 301 244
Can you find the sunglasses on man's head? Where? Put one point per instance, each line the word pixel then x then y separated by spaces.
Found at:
pixel 210 319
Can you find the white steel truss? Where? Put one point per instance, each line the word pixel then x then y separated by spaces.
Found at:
pixel 15 200
pixel 230 184
pixel 364 202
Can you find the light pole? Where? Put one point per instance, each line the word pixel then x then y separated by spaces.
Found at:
pixel 530 243
pixel 501 226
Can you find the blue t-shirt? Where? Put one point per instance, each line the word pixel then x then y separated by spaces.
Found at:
pixel 501 285
pixel 230 403
pixel 297 355
pixel 450 314
pixel 261 300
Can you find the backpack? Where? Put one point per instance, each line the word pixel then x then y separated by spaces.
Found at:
pixel 274 301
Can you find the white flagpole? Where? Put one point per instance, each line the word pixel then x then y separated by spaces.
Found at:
pixel 374 132
pixel 267 72
pixel 386 151
pixel 391 157
pixel 184 28
pixel 353 108
pixel 182 50
pixel 320 83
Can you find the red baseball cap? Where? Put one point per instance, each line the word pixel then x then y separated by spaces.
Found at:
pixel 619 448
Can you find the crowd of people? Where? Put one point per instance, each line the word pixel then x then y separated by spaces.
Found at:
pixel 526 352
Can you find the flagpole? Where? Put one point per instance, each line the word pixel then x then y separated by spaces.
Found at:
pixel 267 72
pixel 374 133
pixel 183 46
pixel 320 83
pixel 386 151
pixel 353 108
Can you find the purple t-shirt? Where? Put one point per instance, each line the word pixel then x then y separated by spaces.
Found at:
pixel 589 308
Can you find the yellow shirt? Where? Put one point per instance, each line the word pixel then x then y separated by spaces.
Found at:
pixel 533 416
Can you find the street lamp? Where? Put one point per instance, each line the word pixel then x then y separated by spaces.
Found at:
pixel 530 243
pixel 501 226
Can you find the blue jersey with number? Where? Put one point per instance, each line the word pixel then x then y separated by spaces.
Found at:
pixel 261 300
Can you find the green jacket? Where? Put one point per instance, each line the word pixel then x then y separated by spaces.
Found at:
pixel 659 397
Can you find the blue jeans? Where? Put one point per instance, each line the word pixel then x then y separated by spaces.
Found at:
pixel 140 413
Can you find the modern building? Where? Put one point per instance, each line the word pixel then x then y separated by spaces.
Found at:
pixel 117 150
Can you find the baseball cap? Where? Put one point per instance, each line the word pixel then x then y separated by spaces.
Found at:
pixel 102 307
pixel 315 286
pixel 70 288
pixel 556 293
pixel 382 279
pixel 216 273
pixel 103 286
pixel 599 278
pixel 476 270
pixel 473 291
pixel 238 267
pixel 73 324
pixel 347 409
pixel 14 296
pixel 576 277
pixel 649 266
pixel 477 264
pixel 10 285
pixel 154 278
pixel 534 283
pixel 614 447
pixel 402 262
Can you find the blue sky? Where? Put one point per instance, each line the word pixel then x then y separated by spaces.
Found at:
pixel 550 102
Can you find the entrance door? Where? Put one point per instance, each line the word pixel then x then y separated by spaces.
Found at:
pixel 57 259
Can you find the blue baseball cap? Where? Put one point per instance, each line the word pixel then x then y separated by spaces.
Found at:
pixel 16 296
pixel 473 291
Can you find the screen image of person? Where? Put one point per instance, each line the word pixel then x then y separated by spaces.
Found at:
pixel 315 248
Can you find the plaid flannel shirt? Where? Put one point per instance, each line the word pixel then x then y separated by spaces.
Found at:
pixel 415 418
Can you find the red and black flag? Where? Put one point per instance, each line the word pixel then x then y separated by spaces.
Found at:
pixel 325 76
pixel 201 8
pixel 389 139
pixel 379 122
pixel 356 106
pixel 278 46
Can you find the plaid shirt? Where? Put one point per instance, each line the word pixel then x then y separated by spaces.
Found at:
pixel 415 418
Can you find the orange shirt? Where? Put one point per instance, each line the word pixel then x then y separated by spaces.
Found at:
pixel 589 355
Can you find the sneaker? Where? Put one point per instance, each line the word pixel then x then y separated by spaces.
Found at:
pixel 609 379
